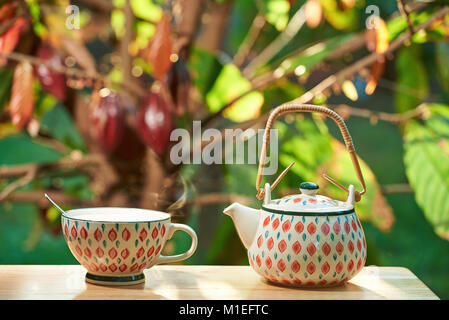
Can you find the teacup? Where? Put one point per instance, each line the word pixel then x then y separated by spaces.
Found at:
pixel 115 245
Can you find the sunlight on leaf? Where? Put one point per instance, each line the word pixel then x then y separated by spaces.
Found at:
pixel 427 166
pixel 246 108
pixel 349 90
pixel 315 152
pixel 373 206
pixel 229 85
pixel 118 22
pixel 341 20
pixel 276 13
pixel 147 10
pixel 304 60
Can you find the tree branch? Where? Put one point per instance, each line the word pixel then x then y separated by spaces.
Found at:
pixel 37 197
pixel 294 25
pixel 71 72
pixel 253 34
pixel 96 164
pixel 404 13
pixel 366 61
pixel 126 59
pixel 347 111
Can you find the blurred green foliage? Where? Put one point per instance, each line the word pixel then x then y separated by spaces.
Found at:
pixel 403 229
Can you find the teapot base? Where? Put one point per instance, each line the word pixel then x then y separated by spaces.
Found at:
pixel 115 280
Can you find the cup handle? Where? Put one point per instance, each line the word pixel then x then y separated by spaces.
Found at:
pixel 179 257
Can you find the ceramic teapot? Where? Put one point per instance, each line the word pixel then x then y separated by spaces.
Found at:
pixel 303 239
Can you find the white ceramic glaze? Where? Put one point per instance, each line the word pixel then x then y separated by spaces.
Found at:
pixel 115 245
pixel 302 240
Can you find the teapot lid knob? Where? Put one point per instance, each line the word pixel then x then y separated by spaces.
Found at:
pixel 309 188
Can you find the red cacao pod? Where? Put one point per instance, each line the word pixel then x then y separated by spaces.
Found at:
pixel 106 120
pixel 154 123
pixel 52 82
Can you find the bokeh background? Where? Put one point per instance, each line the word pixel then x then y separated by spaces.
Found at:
pixel 90 91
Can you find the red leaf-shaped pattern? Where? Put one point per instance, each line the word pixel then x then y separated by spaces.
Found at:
pixel 22 95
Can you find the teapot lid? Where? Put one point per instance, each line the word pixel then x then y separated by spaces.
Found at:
pixel 308 202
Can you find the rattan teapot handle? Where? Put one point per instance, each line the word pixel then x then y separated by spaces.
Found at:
pixel 289 108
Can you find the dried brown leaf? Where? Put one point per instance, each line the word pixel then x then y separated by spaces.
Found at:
pixel 377 38
pixel 377 69
pixel 22 95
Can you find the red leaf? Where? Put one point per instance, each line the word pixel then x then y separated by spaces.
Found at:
pixel 154 123
pixel 160 48
pixel 21 104
pixel 52 82
pixel 9 40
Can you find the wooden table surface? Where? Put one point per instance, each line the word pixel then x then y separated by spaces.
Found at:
pixel 201 282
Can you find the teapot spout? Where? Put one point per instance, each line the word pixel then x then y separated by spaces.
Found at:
pixel 246 221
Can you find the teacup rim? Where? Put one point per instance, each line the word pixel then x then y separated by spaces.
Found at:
pixel 168 217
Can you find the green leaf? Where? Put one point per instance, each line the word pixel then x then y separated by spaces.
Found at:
pixel 373 206
pixel 307 142
pixel 17 221
pixel 411 79
pixel 147 10
pixel 427 167
pixel 276 13
pixel 398 25
pixel 145 32
pixel 442 61
pixel 229 85
pixel 118 22
pixel 58 123
pixel 310 57
pixel 20 149
pixel 341 20
pixel 281 91
pixel 205 69
pixel 315 151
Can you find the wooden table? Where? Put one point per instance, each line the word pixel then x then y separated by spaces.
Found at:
pixel 201 282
